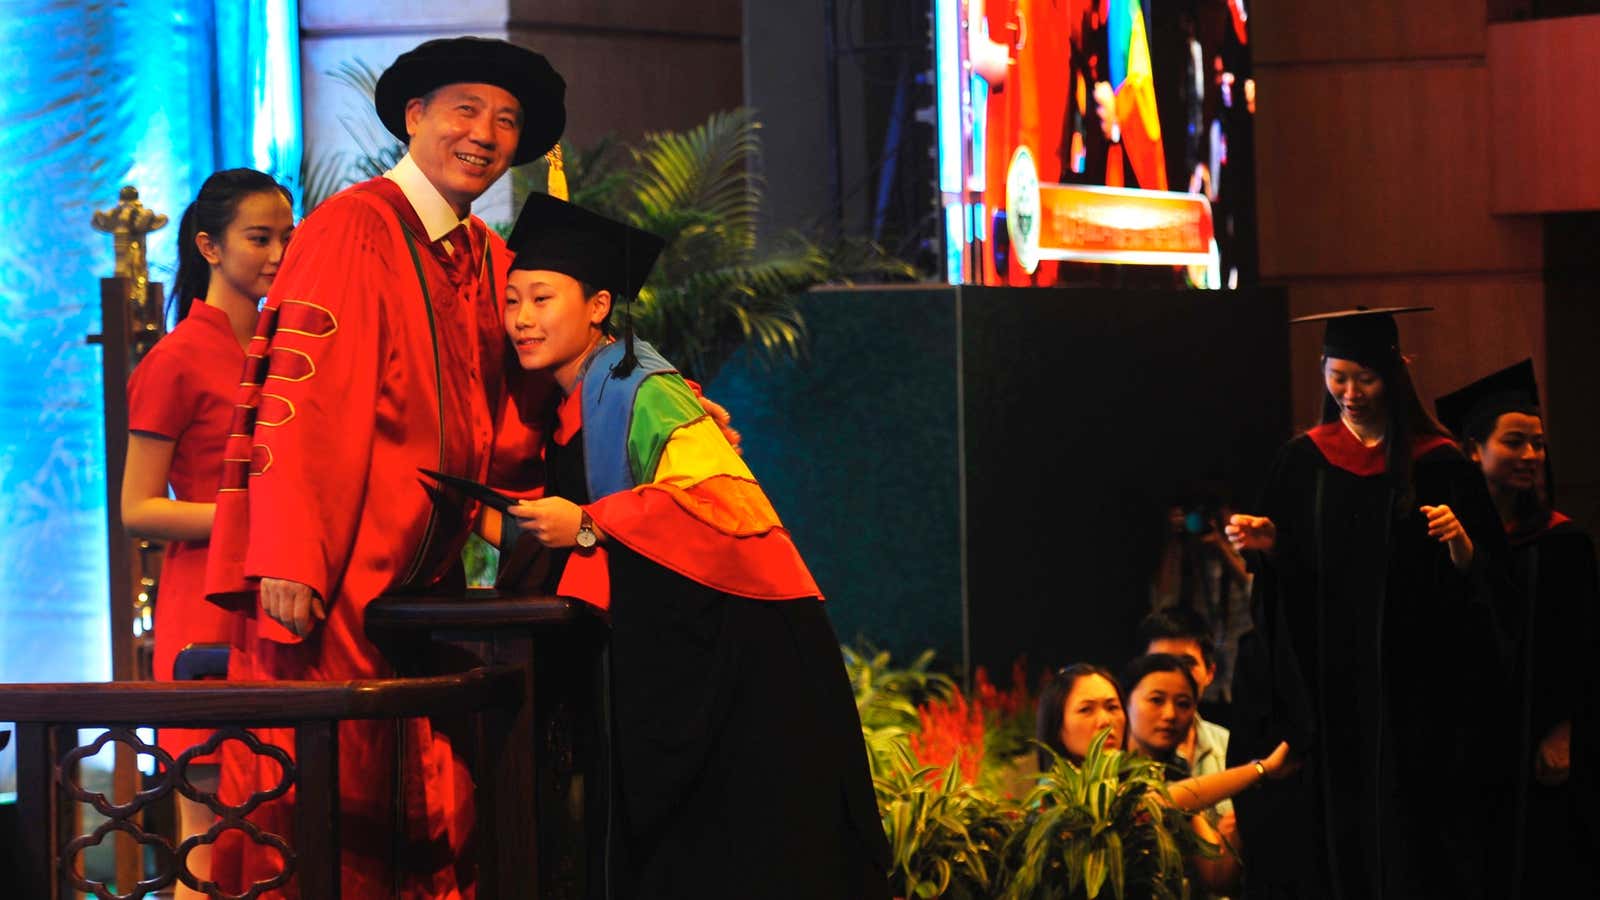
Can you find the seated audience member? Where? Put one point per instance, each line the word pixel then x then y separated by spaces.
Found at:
pixel 1183 632
pixel 1161 701
pixel 1161 711
pixel 1085 700
pixel 1079 703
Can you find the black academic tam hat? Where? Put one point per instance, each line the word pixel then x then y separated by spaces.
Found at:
pixel 605 254
pixel 1366 336
pixel 523 73
pixel 1472 411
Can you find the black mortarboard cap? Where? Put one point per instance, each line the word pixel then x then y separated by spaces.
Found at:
pixel 606 254
pixel 1473 410
pixel 599 251
pixel 1366 336
pixel 525 74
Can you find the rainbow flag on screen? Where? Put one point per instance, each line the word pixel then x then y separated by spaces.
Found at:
pixel 1129 68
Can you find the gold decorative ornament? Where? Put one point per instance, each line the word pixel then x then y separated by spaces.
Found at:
pixel 128 222
pixel 556 184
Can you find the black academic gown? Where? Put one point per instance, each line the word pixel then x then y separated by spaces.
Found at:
pixel 1372 655
pixel 739 765
pixel 1554 564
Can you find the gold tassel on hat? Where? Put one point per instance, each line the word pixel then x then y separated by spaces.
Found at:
pixel 557 186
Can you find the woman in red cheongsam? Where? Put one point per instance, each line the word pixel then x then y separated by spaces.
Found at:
pixel 180 403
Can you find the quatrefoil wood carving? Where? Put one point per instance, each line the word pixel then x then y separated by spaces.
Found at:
pixel 165 867
pixel 256 835
pixel 158 789
pixel 286 771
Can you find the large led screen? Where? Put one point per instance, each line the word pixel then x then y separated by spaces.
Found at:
pixel 1080 135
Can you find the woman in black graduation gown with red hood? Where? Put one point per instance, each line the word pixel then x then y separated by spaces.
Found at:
pixel 1552 563
pixel 1375 643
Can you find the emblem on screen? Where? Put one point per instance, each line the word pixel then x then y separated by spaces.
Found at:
pixel 1022 209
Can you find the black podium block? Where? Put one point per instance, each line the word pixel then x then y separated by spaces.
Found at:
pixel 986 471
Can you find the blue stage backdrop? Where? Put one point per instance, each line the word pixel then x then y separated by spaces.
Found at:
pixel 96 95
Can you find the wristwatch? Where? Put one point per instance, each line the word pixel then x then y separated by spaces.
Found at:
pixel 586 537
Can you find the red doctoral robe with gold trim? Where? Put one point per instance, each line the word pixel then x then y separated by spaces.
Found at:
pixel 357 376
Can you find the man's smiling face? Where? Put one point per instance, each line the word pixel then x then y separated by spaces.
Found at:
pixel 463 137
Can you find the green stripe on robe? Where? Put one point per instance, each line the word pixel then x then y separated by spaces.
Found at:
pixel 663 404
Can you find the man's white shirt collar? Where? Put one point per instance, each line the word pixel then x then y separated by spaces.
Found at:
pixel 437 216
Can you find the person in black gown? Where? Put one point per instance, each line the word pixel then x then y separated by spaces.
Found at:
pixel 739 762
pixel 1553 563
pixel 1376 639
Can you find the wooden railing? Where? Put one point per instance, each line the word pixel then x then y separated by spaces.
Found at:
pixel 48 718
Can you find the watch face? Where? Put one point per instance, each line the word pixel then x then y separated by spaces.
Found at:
pixel 585 538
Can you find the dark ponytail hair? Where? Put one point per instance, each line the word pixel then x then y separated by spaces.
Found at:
pixel 211 212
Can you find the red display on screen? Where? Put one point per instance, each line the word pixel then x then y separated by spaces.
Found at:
pixel 1106 132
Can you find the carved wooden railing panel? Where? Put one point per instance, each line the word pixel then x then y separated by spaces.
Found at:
pixel 171 863
pixel 48 717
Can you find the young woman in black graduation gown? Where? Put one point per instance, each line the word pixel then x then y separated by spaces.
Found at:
pixel 740 769
pixel 1376 642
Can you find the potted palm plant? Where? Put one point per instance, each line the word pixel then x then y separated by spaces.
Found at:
pixel 713 290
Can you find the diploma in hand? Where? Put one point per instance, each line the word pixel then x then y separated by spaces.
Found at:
pixel 482 493
pixel 523 564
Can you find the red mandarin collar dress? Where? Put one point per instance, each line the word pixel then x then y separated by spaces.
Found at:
pixel 182 391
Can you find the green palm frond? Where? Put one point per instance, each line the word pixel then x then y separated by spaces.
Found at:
pixel 700 315
pixel 853 259
pixel 325 174
pixel 888 695
pixel 357 75
pixel 708 169
pixel 782 274
pixel 694 239
pixel 775 334
pixel 376 149
pixel 378 158
pixel 711 293
pixel 322 176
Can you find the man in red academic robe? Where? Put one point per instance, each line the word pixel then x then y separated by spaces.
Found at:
pixel 380 350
